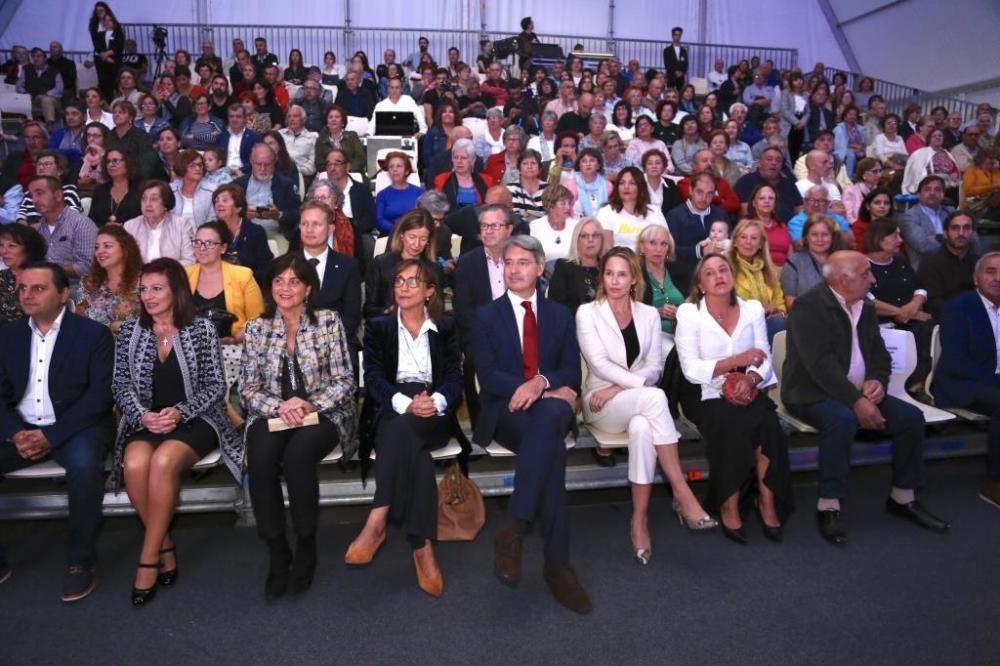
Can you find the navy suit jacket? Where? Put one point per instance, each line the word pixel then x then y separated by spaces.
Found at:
pixel 250 249
pixel 472 289
pixel 362 208
pixel 287 200
pixel 79 377
pixel 968 352
pixel 341 291
pixel 499 362
pixel 249 140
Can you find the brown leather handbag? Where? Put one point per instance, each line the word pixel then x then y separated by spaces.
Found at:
pixel 461 511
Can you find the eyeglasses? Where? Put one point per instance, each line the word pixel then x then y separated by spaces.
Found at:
pixel 336 163
pixel 115 160
pixel 412 282
pixel 492 227
pixel 825 202
pixel 590 237
pixel 206 244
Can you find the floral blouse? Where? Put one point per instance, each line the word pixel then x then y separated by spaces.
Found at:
pixel 10 305
pixel 105 306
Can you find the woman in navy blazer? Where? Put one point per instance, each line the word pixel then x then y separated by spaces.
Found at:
pixel 413 377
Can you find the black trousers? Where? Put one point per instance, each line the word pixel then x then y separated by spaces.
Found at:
pixel 404 471
pixel 469 388
pixel 988 402
pixel 295 453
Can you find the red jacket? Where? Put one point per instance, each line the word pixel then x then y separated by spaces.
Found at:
pixel 725 198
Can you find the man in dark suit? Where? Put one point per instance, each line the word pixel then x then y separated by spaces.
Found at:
pixel 271 197
pixel 675 59
pixel 359 205
pixel 528 364
pixel 968 374
pixel 464 222
pixel 238 140
pixel 478 281
pixel 835 378
pixel 55 403
pixel 339 277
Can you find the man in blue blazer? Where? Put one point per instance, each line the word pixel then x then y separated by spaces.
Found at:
pixel 528 364
pixel 55 402
pixel 237 133
pixel 478 281
pixel 968 374
pixel 271 197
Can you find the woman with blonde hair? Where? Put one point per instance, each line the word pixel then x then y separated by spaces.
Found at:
pixel 756 278
pixel 621 341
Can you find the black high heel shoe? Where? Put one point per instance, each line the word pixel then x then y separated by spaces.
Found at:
pixel 738 535
pixel 141 597
pixel 775 534
pixel 304 565
pixel 168 578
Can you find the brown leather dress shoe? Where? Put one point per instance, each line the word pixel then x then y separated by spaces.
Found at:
pixel 429 580
pixel 562 582
pixel 358 555
pixel 507 556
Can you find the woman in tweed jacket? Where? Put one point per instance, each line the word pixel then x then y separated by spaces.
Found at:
pixel 296 363
pixel 169 385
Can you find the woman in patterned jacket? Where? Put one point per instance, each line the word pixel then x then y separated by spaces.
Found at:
pixel 170 386
pixel 296 368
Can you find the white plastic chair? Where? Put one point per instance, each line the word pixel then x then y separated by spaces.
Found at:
pixel 476 125
pixel 700 85
pixel 85 203
pixel 966 414
pixel 381 244
pixel 49 469
pixel 496 450
pixel 902 347
pixel 273 246
pixel 778 347
pixel 606 439
pixel 358 125
pixel 15 103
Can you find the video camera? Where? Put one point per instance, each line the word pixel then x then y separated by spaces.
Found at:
pixel 160 36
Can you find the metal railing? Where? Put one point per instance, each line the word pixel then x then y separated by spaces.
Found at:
pixel 345 40
pixel 898 96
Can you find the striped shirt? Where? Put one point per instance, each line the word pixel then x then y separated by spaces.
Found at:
pixel 527 205
pixel 27 212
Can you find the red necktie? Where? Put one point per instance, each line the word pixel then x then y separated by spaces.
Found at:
pixel 529 346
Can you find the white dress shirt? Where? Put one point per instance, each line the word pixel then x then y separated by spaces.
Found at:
pixel 321 266
pixel 36 406
pixel 495 270
pixel 233 160
pixel 856 369
pixel 414 364
pixel 701 343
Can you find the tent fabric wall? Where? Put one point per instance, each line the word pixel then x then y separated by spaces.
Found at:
pixel 778 23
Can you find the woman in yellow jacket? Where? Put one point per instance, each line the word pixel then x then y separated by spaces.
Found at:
pixel 981 184
pixel 219 286
pixel 756 276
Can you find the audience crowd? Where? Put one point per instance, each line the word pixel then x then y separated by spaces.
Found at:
pixel 166 241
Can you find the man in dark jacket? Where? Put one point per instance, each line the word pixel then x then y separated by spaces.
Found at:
pixel 835 378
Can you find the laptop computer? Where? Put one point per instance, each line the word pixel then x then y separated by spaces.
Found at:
pixel 395 123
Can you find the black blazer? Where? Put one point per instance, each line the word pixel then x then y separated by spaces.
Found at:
pixel 464 222
pixel 568 284
pixel 341 292
pixel 247 142
pixel 381 346
pixel 250 249
pixel 472 289
pixel 674 64
pixel 812 127
pixel 362 208
pixel 79 377
pixel 819 350
pixel 378 283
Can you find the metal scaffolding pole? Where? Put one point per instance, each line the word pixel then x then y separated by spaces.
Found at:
pixel 611 26
pixel 348 32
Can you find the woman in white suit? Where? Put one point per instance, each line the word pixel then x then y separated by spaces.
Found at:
pixel 620 340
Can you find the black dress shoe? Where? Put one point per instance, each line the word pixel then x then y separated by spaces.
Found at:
pixel 829 527
pixel 276 584
pixel 304 566
pixel 918 514
pixel 507 555
pixel 605 460
pixel 168 578
pixel 140 596
pixel 738 535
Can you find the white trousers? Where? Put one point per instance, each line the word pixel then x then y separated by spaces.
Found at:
pixel 645 415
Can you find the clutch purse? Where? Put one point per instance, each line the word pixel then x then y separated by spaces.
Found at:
pixel 733 380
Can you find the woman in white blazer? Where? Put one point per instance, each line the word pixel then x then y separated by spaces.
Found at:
pixel 719 334
pixel 621 342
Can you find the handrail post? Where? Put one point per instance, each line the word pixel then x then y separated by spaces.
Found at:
pixel 348 32
pixel 611 43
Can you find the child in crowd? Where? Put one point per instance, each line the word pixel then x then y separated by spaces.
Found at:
pixel 216 173
pixel 718 232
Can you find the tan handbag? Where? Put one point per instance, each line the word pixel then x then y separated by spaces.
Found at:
pixel 461 511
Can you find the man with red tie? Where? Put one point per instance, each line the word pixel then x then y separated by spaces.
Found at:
pixel 528 364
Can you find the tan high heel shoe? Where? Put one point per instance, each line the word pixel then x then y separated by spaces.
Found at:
pixel 701 526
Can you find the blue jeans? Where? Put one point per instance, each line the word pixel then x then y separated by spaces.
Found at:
pixel 82 455
pixel 775 324
pixel 838 425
